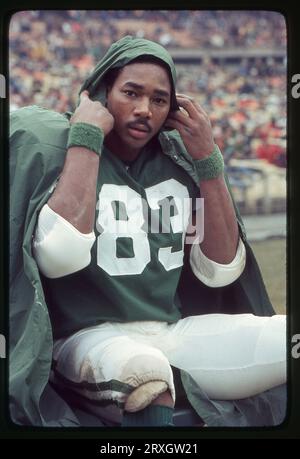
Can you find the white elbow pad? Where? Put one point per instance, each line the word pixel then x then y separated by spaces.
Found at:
pixel 58 247
pixel 214 274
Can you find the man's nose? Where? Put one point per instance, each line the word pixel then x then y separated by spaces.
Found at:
pixel 142 108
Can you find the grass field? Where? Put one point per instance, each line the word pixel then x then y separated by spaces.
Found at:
pixel 271 257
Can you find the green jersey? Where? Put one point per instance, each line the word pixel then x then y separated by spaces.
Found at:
pixel 141 218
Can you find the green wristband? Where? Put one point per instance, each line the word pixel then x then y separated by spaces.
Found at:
pixel 210 167
pixel 86 135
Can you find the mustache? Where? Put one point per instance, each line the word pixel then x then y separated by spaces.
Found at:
pixel 138 124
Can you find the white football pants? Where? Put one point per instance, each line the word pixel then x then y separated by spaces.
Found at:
pixel 229 356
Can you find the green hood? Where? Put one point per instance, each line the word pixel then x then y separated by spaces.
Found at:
pixel 122 53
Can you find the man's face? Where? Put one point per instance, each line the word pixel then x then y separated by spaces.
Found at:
pixel 139 101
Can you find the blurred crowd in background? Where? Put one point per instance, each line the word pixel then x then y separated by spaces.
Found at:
pixel 52 52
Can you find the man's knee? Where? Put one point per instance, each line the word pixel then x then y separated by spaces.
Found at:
pixel 152 377
pixel 146 366
pixel 150 393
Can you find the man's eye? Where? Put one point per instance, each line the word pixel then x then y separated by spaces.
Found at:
pixel 160 101
pixel 130 93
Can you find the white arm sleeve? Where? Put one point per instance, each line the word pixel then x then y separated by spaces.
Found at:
pixel 214 274
pixel 58 247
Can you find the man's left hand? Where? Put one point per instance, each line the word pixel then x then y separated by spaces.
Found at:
pixel 193 126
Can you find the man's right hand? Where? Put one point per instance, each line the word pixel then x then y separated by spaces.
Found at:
pixel 93 112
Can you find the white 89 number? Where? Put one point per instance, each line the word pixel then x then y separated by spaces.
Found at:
pixel 132 226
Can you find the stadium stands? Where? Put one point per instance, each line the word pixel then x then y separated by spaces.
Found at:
pixel 232 62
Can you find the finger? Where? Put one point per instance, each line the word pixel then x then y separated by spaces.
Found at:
pixel 180 117
pixel 84 95
pixel 189 106
pixel 201 110
pixel 174 124
pixel 183 97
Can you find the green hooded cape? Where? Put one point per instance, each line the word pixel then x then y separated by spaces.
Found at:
pixel 38 141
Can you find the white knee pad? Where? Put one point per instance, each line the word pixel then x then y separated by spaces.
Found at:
pixel 152 375
pixel 144 395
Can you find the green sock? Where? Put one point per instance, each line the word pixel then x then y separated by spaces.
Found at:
pixel 152 415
